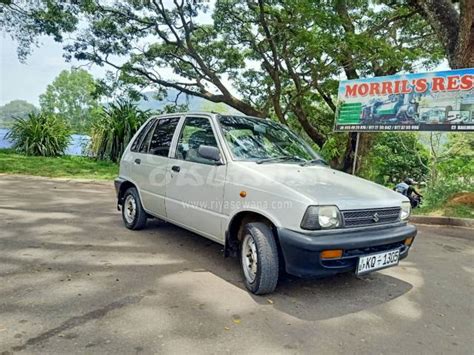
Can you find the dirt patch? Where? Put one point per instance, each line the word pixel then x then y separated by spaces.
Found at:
pixel 462 198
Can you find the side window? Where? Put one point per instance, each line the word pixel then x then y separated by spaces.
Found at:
pixel 143 148
pixel 162 135
pixel 196 131
pixel 136 143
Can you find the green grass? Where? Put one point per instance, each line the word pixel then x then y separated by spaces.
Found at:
pixel 73 167
pixel 459 211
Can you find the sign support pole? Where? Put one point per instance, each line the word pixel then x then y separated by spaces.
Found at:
pixel 354 163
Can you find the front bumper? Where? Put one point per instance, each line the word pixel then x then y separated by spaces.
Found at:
pixel 301 251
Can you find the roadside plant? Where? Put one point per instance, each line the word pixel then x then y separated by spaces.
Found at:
pixel 451 168
pixel 113 128
pixel 41 134
pixel 395 156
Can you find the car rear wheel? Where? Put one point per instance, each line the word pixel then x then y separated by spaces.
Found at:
pixel 259 258
pixel 133 215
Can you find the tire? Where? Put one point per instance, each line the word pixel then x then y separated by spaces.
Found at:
pixel 133 215
pixel 260 276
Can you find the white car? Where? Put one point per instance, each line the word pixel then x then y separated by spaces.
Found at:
pixel 255 187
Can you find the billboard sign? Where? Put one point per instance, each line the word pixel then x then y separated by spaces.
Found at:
pixel 437 101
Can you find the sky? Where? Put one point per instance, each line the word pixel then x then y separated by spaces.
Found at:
pixel 28 80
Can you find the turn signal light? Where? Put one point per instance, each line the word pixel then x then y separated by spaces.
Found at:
pixel 331 254
pixel 408 241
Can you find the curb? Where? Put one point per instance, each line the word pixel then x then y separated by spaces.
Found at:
pixel 443 221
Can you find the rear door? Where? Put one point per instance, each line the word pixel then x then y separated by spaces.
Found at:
pixel 195 191
pixel 128 165
pixel 151 164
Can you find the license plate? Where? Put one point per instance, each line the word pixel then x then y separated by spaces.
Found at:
pixel 378 261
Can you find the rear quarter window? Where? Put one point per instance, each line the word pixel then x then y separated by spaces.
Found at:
pixel 136 143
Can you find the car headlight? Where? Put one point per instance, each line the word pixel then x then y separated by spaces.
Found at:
pixel 321 217
pixel 405 211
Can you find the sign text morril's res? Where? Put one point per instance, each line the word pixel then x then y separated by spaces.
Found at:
pixel 438 101
pixel 450 83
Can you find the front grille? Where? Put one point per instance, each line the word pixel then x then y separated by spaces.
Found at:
pixel 358 218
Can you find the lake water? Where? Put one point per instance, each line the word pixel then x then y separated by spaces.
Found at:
pixel 76 145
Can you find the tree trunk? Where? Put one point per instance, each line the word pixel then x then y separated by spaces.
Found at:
pixel 348 159
pixel 366 141
pixel 465 49
pixel 455 30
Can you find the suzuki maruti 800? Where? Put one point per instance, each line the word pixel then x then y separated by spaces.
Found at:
pixel 258 189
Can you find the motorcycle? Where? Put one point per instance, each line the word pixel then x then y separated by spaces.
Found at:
pixel 415 200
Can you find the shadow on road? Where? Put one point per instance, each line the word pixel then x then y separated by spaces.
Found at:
pixel 314 299
pixel 168 249
pixel 67 264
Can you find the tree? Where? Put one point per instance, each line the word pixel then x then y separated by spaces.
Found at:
pixel 456 160
pixel 452 171
pixel 71 96
pixel 395 156
pixel 15 109
pixel 263 58
pixel 451 156
pixel 454 27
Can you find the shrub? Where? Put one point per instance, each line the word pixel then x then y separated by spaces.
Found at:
pixel 40 134
pixel 452 171
pixel 113 129
pixel 394 156
pixel 437 195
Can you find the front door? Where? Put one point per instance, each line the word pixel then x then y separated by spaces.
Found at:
pixel 195 191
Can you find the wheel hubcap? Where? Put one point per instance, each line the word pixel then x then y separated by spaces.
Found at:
pixel 130 209
pixel 249 258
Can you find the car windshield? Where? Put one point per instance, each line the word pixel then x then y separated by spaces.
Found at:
pixel 263 140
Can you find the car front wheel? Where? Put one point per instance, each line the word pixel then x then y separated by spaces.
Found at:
pixel 259 258
pixel 133 215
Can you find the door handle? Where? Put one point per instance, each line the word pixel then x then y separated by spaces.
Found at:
pixel 138 161
pixel 175 168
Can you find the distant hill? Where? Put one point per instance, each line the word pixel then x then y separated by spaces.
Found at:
pixel 13 109
pixel 194 103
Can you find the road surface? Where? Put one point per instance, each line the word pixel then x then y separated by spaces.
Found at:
pixel 74 280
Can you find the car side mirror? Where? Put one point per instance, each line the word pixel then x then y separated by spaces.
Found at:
pixel 209 152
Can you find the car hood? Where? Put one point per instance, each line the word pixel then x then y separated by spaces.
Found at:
pixel 323 185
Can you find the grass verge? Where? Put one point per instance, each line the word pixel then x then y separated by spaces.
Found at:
pixel 65 166
pixel 459 205
pixel 459 211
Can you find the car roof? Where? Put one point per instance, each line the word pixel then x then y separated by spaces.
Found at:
pixel 203 113
pixel 200 113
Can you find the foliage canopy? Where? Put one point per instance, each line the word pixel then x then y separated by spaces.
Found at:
pixel 263 58
pixel 395 156
pixel 72 96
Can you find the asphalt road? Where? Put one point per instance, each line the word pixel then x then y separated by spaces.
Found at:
pixel 74 280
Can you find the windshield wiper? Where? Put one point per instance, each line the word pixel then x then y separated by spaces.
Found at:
pixel 314 161
pixel 282 158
